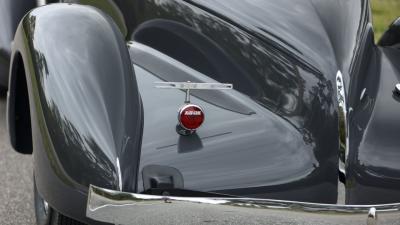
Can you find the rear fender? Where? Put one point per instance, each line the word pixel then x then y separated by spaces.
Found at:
pixel 86 112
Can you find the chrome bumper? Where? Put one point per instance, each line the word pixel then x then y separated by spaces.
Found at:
pixel 127 208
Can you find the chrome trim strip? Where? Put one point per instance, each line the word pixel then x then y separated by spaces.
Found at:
pixel 187 86
pixel 397 89
pixel 343 124
pixel 119 174
pixel 118 207
pixel 41 2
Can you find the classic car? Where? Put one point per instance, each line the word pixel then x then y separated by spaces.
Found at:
pixel 204 112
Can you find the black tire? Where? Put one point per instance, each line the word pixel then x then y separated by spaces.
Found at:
pixel 45 215
pixel 59 219
pixel 3 92
pixel 43 211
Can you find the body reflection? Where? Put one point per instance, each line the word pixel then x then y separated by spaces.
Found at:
pixel 189 144
pixel 285 81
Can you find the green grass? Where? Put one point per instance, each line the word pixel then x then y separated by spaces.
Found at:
pixel 384 13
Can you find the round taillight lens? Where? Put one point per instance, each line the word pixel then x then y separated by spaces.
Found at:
pixel 191 117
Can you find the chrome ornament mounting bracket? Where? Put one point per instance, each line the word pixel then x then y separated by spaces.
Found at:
pixel 191 116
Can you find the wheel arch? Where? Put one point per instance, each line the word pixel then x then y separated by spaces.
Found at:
pixel 18 110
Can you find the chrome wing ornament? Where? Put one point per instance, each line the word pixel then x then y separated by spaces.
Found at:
pixel 187 86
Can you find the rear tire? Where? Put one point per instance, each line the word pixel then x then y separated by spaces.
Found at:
pixel 45 215
pixel 3 92
pixel 59 219
pixel 43 211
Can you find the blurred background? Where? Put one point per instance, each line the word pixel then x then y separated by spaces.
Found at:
pixel 385 12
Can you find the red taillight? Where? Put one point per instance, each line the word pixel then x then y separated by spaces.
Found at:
pixel 191 117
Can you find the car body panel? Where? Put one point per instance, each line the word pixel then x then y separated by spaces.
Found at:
pixel 258 154
pixel 277 135
pixel 373 163
pixel 391 37
pixel 85 117
pixel 278 81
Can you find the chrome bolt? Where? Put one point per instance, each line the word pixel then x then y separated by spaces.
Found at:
pixel 372 217
pixel 46 207
pixel 397 89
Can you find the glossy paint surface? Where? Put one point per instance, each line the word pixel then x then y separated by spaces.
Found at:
pixel 284 76
pixel 262 41
pixel 392 36
pixel 374 169
pixel 85 108
pixel 275 136
pixel 307 31
pixel 260 154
